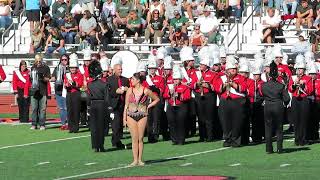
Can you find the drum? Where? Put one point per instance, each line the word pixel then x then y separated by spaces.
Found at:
pixel 129 61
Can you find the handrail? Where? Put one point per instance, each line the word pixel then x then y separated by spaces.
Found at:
pixel 21 24
pixel 236 36
pixel 2 37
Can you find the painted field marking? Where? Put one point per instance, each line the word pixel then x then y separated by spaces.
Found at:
pixel 186 164
pixel 43 163
pixel 43 142
pixel 236 164
pixel 1 162
pixel 284 165
pixel 89 164
pixel 289 140
pixel 128 166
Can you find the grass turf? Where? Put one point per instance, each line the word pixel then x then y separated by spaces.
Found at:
pixel 68 158
pixel 16 115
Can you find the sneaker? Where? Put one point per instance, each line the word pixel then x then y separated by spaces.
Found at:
pixel 42 128
pixel 33 127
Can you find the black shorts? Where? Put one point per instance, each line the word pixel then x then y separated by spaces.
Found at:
pixel 33 15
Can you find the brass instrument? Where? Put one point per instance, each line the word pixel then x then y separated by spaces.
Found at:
pixel 255 91
pixel 174 95
pixel 228 83
pixel 299 86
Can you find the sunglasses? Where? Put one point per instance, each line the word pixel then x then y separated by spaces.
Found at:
pixel 197 29
pixel 156 13
pixel 64 59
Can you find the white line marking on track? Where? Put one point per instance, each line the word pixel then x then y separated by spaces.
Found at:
pixel 43 142
pixel 236 164
pixel 186 164
pixel 284 165
pixel 42 163
pixel 89 164
pixel 127 166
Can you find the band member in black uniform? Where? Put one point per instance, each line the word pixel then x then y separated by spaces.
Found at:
pixel 301 87
pixel 73 81
pixel 117 88
pixel 96 93
pixel 276 97
pixel 178 96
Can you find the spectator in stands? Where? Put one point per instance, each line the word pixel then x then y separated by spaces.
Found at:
pixel 197 39
pixel 178 41
pixel 186 7
pixel 156 27
pixel 292 3
pixel 301 46
pixel 270 24
pixel 275 3
pixel 87 27
pixel 134 26
pixel 5 15
pixel 69 29
pixel 104 35
pixel 208 23
pixel 55 43
pixel 60 91
pixel 37 41
pixel 315 39
pixel 32 12
pixel 236 6
pixel 40 76
pixel 170 9
pixel 88 5
pixel 142 6
pixel 59 10
pixel 155 5
pixel 304 15
pixel 46 25
pixel 197 7
pixel 223 10
pixel 257 7
pixel 123 10
pixel 317 21
pixel 108 9
pixel 178 21
pixel 18 7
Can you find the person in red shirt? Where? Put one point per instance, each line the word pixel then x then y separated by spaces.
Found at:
pixel 73 81
pixel 223 56
pixel 232 111
pixel 313 123
pixel 160 60
pixel 204 84
pixel 168 63
pixel 157 122
pixel 301 87
pixel 284 71
pixel 177 95
pixel 2 74
pixel 257 115
pixel 217 66
pixel 20 85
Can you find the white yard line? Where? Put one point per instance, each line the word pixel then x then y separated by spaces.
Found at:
pixel 127 166
pixel 284 165
pixel 43 142
pixel 1 162
pixel 236 164
pixel 89 164
pixel 186 164
pixel 42 163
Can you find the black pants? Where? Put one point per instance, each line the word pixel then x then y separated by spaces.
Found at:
pixel 313 123
pixel 24 106
pixel 98 121
pixel 191 120
pixel 300 117
pixel 206 111
pixel 257 122
pixel 245 130
pixel 273 117
pixel 176 118
pixel 83 111
pixel 163 120
pixel 117 126
pixel 232 113
pixel 153 125
pixel 73 109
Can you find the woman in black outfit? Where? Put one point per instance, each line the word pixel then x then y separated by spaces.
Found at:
pixel 276 97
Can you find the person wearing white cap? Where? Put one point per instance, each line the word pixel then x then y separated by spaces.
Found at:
pixel 204 84
pixel 284 71
pixel 106 70
pixel 156 118
pixel 223 57
pixel 73 81
pixel 301 87
pixel 160 60
pixel 257 113
pixel 216 65
pixel 177 95
pixel 313 122
pixel 232 103
pixel 168 64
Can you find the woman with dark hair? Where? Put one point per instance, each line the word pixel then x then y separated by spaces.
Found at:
pixel 20 85
pixel 276 98
pixel 60 91
pixel 134 26
pixel 135 114
pixel 156 27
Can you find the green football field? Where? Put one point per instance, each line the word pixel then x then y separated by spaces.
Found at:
pixel 54 154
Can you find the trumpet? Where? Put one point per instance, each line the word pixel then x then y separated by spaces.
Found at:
pixel 300 86
pixel 174 95
pixel 255 91
pixel 228 83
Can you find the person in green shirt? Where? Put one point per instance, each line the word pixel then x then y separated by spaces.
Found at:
pixel 134 26
pixel 122 12
pixel 178 21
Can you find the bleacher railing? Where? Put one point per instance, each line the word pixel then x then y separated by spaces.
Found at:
pixel 12 36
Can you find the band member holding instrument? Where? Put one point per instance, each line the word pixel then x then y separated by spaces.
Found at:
pixel 232 104
pixel 73 81
pixel 97 90
pixel 20 85
pixel 117 88
pixel 284 71
pixel 161 53
pixel 276 97
pixel 204 84
pixel 178 96
pixel 223 56
pixel 257 114
pixel 2 74
pixel 301 87
pixel 136 112
pixel 168 63
pixel 217 66
pixel 155 118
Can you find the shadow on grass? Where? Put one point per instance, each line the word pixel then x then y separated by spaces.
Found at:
pixel 155 161
pixel 291 150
